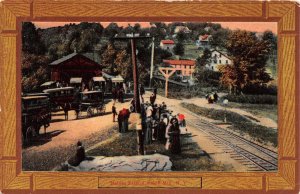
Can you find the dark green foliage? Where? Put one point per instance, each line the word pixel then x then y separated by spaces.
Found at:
pixel 178 49
pixel 31 42
pixel 204 59
pixel 240 123
pixel 207 76
pixel 253 99
pixel 181 36
pixel 34 72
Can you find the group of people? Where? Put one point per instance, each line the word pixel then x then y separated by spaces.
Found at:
pixel 161 126
pixel 212 98
pixel 118 94
pixel 158 123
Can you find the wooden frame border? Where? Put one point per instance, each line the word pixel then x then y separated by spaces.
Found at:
pixel 13 12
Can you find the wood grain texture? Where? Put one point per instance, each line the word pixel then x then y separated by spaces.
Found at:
pixel 149 182
pixel 286 179
pixel 149 174
pixel 8 96
pixel 8 172
pixel 287 132
pixel 21 182
pixel 65 182
pixel 245 183
pixel 146 9
pixel 286 11
pixel 9 13
pixel 12 10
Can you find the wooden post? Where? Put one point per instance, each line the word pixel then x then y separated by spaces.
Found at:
pixel 166 87
pixel 167 74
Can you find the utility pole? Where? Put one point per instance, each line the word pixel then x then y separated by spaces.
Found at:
pixel 133 38
pixel 152 61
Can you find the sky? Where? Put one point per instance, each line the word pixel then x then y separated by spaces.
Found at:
pixel 250 26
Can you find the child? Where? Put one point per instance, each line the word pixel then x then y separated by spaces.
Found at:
pixel 114 111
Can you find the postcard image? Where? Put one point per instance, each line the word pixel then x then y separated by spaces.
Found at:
pixel 149 96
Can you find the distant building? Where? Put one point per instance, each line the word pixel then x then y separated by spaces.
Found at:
pixel 218 58
pixel 181 29
pixel 74 65
pixel 167 45
pixel 204 41
pixel 188 66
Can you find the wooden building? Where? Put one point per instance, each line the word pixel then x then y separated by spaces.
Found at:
pixel 74 65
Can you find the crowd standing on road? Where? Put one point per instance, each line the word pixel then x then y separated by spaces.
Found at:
pixel 158 123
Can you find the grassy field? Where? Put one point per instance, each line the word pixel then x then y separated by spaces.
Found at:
pixel 262 110
pixel 191 51
pixel 239 123
pixel 192 157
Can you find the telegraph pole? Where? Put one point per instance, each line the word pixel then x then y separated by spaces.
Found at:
pixel 133 38
pixel 152 65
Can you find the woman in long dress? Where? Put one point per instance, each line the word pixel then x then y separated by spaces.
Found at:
pixel 173 136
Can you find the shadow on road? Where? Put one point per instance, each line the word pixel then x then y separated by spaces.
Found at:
pixel 42 138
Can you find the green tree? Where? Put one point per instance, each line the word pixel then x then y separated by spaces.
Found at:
pixel 31 42
pixel 179 49
pixel 34 71
pixel 249 56
pixel 181 36
pixel 108 59
pixel 123 65
pixel 204 59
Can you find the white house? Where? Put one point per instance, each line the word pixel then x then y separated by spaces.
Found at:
pixel 203 41
pixel 181 29
pixel 167 45
pixel 218 58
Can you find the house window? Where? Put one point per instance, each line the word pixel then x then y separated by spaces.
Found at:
pixel 226 61
pixel 212 68
pixel 220 55
pixel 220 61
pixel 215 61
pixel 216 55
pixel 168 48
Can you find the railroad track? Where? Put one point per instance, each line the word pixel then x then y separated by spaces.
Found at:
pixel 250 154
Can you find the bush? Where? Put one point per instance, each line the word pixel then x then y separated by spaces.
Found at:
pixel 252 99
pixel 210 77
pixel 264 89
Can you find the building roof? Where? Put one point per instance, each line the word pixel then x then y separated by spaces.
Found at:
pixel 117 79
pixel 168 42
pixel 89 56
pixel 58 61
pixel 225 55
pixel 181 29
pixel 58 89
pixel 204 37
pixel 49 83
pixel 98 79
pixel 180 62
pixel 75 80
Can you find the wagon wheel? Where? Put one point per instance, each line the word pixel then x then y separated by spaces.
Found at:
pixel 89 111
pixel 103 109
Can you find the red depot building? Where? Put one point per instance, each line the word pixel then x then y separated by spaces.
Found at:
pixel 74 65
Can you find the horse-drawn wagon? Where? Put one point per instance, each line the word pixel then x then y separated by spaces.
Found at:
pixel 91 102
pixel 35 114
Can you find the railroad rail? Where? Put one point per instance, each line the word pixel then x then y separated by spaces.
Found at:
pixel 254 156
